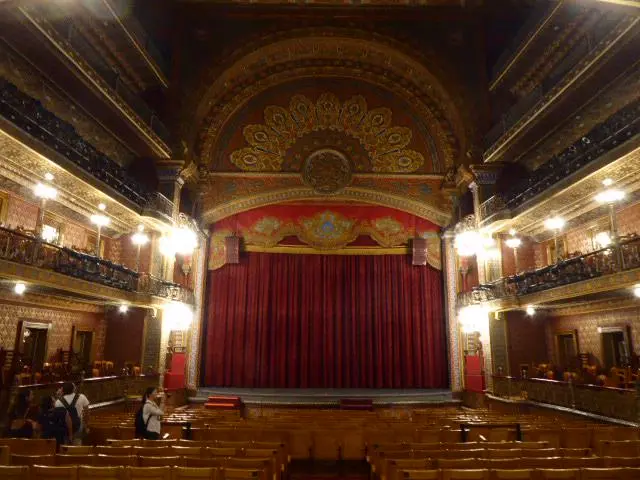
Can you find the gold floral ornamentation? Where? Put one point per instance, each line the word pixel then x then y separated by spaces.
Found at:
pixel 269 142
pixel 327 230
pixel 268 232
pixel 389 232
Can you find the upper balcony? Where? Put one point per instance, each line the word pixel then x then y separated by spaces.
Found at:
pixel 607 148
pixel 606 269
pixel 79 49
pixel 24 256
pixel 570 52
pixel 24 114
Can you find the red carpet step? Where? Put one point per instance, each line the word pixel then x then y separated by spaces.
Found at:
pixel 223 402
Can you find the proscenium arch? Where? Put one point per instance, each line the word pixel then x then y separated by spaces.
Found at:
pixel 420 209
pixel 332 52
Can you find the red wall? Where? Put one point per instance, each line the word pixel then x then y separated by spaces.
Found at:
pixel 526 340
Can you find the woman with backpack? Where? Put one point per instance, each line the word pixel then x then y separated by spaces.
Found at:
pixel 77 404
pixel 147 421
pixel 55 422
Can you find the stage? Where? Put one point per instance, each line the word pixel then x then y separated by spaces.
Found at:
pixel 328 398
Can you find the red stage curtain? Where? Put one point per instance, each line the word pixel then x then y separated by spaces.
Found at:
pixel 328 321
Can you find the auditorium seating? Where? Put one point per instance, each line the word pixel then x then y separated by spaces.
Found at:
pixel 398 447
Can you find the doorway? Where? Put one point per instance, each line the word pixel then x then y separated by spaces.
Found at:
pixel 82 348
pixel 567 348
pixel 615 347
pixel 31 344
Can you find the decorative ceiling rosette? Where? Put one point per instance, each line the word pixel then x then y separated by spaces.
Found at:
pixel 385 144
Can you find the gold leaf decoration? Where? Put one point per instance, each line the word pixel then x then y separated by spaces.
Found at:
pixel 269 142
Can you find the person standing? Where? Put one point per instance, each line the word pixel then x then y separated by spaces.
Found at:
pixel 55 422
pixel 20 425
pixel 150 414
pixel 77 404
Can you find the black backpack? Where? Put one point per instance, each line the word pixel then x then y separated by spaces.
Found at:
pixel 140 424
pixel 73 412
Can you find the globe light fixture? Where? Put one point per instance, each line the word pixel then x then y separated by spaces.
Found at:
pixel 139 239
pixel 603 239
pixel 611 196
pixel 123 308
pixel 99 221
pixel 177 316
pixel 531 311
pixel 180 240
pixel 48 177
pixel 19 288
pixel 636 291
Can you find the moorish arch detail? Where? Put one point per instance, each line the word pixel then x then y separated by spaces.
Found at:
pixel 384 143
pixel 316 53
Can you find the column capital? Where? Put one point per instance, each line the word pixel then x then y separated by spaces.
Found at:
pixel 486 173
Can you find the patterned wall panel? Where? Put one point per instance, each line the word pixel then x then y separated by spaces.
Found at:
pixel 153 334
pixel 526 339
pixel 21 213
pixel 75 236
pixel 587 326
pixel 62 322
pixel 498 333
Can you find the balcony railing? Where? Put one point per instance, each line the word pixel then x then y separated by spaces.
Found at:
pixel 24 248
pixel 605 261
pixel 603 138
pixel 598 400
pixel 66 29
pixel 161 288
pixel 29 115
pixel 579 51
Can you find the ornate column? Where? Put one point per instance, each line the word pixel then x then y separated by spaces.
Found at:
pixel 171 182
pixel 195 332
pixel 453 329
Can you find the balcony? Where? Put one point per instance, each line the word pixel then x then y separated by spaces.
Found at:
pixel 70 49
pixel 592 58
pixel 25 249
pixel 582 154
pixel 597 400
pixel 601 263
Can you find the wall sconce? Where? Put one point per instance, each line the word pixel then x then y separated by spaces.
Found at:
pixel 514 243
pixel 45 193
pixel 19 288
pixel 99 221
pixel 555 223
pixel 139 239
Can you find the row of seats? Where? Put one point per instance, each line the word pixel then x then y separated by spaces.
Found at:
pixel 120 473
pixel 265 465
pixel 191 473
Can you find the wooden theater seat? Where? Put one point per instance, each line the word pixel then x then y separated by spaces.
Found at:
pixel 478 474
pixel 420 475
pixel 559 474
pixel 53 473
pixel 33 459
pixel 512 474
pixel 75 459
pixel 28 446
pixel 192 473
pixel 148 473
pixel 115 461
pixel 101 473
pixel 159 461
pixel 14 472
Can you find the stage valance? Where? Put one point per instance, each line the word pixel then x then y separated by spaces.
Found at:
pixel 334 229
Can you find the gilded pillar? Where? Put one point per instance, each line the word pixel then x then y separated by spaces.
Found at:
pixel 195 332
pixel 453 329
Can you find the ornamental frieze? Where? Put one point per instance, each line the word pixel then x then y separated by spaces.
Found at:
pixel 385 143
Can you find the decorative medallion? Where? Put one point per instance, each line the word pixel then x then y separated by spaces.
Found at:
pixel 384 143
pixel 327 230
pixel 327 171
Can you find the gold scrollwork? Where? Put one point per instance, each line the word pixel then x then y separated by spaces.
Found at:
pixel 269 142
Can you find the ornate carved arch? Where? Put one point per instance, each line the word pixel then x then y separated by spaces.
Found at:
pixel 331 52
pixel 424 210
